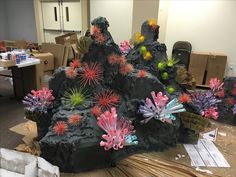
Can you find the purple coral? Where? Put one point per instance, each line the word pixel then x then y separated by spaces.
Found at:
pixel 119 131
pixel 160 108
pixel 206 102
pixel 39 101
pixel 234 109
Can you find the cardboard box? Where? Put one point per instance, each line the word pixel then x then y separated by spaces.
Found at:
pixel 206 65
pixel 59 52
pixel 215 67
pixel 21 44
pixel 8 43
pixel 47 59
pixel 197 66
pixel 71 40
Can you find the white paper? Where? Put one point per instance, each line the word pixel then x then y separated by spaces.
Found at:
pixel 212 135
pixel 205 153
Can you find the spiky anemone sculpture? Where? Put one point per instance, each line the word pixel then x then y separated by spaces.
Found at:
pixel 91 74
pixel 74 97
pixel 106 99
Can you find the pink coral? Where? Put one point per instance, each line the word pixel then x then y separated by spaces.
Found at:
pixel 119 131
pixel 211 113
pixel 215 84
pixel 159 99
pixel 96 111
pixel 75 63
pixel 125 47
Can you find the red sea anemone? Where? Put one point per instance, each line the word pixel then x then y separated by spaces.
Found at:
pixel 230 101
pixel 112 59
pixel 107 99
pixel 71 73
pixel 220 94
pixel 91 74
pixel 125 69
pixel 74 119
pixel 121 60
pixel 100 39
pixel 95 30
pixel 75 63
pixel 184 98
pixel 233 91
pixel 142 73
pixel 96 111
pixel 60 128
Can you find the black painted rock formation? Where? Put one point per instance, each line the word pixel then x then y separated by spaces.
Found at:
pixel 78 148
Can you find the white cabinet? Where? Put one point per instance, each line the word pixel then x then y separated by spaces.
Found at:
pixel 72 16
pixel 61 16
pixel 51 15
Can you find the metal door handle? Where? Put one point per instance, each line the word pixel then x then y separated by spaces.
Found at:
pixel 67 14
pixel 55 13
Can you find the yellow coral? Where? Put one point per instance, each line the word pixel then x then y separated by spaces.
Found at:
pixel 139 37
pixel 152 22
pixel 147 56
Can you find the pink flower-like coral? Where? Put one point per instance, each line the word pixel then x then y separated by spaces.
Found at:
pixel 119 131
pixel 125 47
pixel 39 100
pixel 215 84
pixel 210 113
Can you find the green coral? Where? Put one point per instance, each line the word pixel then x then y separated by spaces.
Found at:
pixel 171 62
pixel 74 97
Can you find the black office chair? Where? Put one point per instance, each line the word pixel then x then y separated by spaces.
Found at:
pixel 182 51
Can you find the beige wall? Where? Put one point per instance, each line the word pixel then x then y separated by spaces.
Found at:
pixel 210 26
pixel 118 13
pixel 143 10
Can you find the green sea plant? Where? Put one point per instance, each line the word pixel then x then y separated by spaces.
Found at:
pixel 74 97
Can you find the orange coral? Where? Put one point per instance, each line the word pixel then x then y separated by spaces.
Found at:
pixel 74 119
pixel 184 98
pixel 60 128
pixel 125 69
pixel 71 73
pixel 142 73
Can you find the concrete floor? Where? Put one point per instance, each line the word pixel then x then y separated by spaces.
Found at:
pixel 11 114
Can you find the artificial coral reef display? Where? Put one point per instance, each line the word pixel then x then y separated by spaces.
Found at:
pixel 116 101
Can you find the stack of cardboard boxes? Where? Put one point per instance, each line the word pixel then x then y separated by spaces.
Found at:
pixel 204 66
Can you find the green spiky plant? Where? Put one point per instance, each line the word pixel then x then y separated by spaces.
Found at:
pixel 171 62
pixel 74 97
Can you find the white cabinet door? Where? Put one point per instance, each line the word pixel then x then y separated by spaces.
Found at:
pixel 51 15
pixel 72 16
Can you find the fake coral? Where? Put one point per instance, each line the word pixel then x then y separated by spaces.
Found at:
pixel 60 127
pixel 159 109
pixel 112 59
pixel 74 97
pixel 96 111
pixel 71 73
pixel 184 98
pixel 75 63
pixel 125 47
pixel 215 84
pixel 74 119
pixel 119 131
pixel 106 99
pixel 91 74
pixel 210 113
pixel 125 69
pixel 142 73
pixel 39 101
